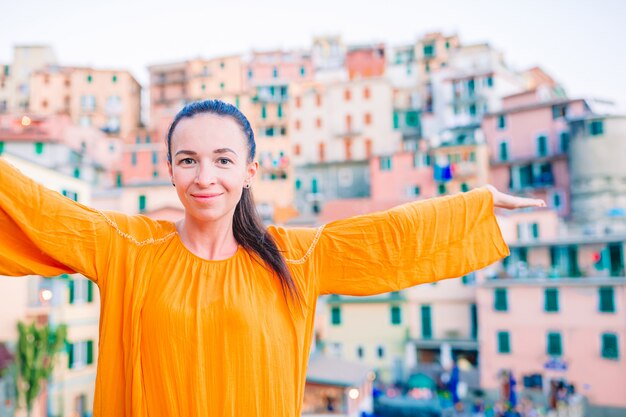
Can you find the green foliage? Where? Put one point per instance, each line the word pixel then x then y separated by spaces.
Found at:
pixel 36 348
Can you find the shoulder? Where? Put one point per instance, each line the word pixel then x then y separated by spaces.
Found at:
pixel 139 229
pixel 297 243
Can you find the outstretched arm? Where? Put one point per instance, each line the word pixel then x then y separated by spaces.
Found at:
pixel 419 242
pixel 44 233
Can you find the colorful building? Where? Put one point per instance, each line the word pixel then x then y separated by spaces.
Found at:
pixel 107 99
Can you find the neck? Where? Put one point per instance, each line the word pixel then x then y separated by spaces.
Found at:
pixel 213 241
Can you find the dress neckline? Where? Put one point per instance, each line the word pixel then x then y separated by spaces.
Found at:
pixel 180 243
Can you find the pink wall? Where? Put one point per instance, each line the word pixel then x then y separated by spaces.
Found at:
pixel 392 185
pixel 263 64
pixel 366 62
pixel 602 380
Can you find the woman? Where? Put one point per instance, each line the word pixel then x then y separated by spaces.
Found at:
pixel 213 315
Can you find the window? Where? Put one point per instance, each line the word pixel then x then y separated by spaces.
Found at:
pixel 302 71
pixel 335 316
pixel 250 73
pixel 416 190
pixel 359 352
pixel 474 321
pixel 607 300
pixel 88 103
pixel 347 95
pixel 500 300
pixel 396 315
pixel 502 121
pixel 429 50
pixel 39 148
pixel 464 187
pixel 81 291
pixel 118 179
pixel 441 188
pixel 554 345
pixel 412 118
pixel 264 112
pixel 114 79
pixel 367 119
pixel 564 141
pixel 490 81
pixel 609 346
pixel 427 323
pixel 133 158
pixel 504 342
pixel 89 78
pixel 142 203
pixel 559 110
pixel 318 122
pixel 396 119
pixel 275 72
pixel 596 128
pixel 385 163
pixel 366 93
pixel 1 147
pixel 380 352
pixel 279 111
pixel 76 172
pixel 551 298
pixel 504 151
pixel 542 145
pixel 298 102
pixel 80 354
pixel 155 157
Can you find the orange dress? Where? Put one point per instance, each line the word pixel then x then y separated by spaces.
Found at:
pixel 185 336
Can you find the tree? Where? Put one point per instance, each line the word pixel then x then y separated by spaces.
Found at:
pixel 36 348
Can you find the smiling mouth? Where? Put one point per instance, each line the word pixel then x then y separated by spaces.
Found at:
pixel 205 197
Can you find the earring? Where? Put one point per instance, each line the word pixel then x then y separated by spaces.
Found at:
pixel 247 186
pixel 174 185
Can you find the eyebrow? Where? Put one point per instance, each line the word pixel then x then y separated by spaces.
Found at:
pixel 217 151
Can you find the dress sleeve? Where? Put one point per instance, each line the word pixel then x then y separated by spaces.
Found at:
pixel 45 233
pixel 415 243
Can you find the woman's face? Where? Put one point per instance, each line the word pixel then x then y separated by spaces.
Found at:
pixel 209 166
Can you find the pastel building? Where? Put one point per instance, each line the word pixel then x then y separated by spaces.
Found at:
pixel 69 299
pixel 364 61
pixel 108 99
pixel 555 312
pixel 340 124
pixel 174 84
pixel 470 86
pixel 529 142
pixel 15 85
pixel 371 330
pixel 598 175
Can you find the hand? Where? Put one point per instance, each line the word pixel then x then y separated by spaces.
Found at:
pixel 511 202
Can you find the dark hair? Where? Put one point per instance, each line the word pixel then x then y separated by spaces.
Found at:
pixel 247 225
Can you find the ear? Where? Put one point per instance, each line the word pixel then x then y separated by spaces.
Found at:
pixel 251 171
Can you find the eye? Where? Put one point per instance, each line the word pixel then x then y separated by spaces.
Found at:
pixel 186 161
pixel 224 161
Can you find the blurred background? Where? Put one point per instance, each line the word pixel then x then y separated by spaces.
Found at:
pixel 356 108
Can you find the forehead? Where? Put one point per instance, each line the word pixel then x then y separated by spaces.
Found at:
pixel 208 131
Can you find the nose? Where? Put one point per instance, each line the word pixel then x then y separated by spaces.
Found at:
pixel 205 174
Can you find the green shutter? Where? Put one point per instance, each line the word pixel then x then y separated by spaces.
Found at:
pixel 142 202
pixel 264 112
pixel 551 300
pixel 427 326
pixel 89 291
pixel 500 300
pixel 335 315
pixel 77 172
pixel 572 255
pixel 607 300
pixel 70 355
pixel 504 152
pixel 396 315
pixel 474 321
pixel 609 346
pixel 555 347
pixel 39 148
pixel 70 283
pixel 504 342
pixel 396 120
pixel 464 187
pixel 89 352
pixel 279 111
pixel 237 101
pixel 118 179
pixel 1 147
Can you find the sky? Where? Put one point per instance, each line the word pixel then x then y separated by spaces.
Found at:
pixel 579 42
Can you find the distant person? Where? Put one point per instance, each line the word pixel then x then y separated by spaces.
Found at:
pixel 213 315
